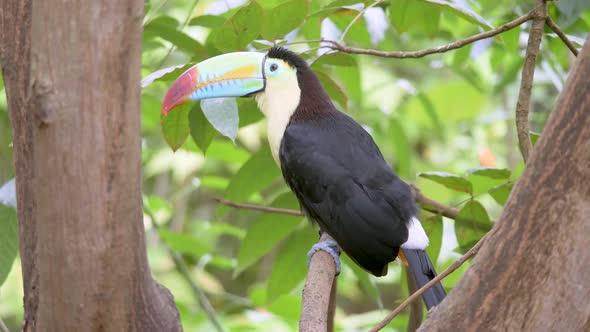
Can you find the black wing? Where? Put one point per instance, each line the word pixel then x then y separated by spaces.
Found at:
pixel 341 180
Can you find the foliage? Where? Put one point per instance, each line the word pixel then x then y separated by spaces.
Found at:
pixel 443 121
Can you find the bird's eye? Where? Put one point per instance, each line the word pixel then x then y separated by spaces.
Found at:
pixel 274 67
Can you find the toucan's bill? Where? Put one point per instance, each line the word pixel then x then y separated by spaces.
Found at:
pixel 228 75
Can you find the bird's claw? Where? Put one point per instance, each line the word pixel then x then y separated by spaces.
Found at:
pixel 331 247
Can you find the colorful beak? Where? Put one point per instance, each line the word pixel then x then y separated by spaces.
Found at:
pixel 228 75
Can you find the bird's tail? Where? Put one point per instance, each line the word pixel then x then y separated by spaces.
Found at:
pixel 423 271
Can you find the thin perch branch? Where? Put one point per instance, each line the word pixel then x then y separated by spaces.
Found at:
pixel 334 45
pixel 427 203
pixel 431 283
pixel 551 24
pixel 523 104
pixel 257 207
pixel 315 313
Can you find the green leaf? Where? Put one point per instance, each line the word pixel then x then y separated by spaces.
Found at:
pixel 511 39
pixel 284 18
pixel 289 267
pixel 8 240
pixel 473 212
pixel 448 180
pixel 183 243
pixel 201 130
pixel 175 126
pixel 240 29
pixel 414 16
pixel 462 11
pixel 501 193
pixel 287 306
pixel 249 112
pixel 207 21
pixel 493 173
pixel 434 230
pixel 267 231
pixel 228 152
pixel 534 137
pixel 256 174
pixel 471 224
pixel 333 90
pixel 178 38
pixel 335 59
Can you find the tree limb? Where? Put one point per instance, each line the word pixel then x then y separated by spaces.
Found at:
pixel 431 283
pixel 334 45
pixel 551 24
pixel 523 104
pixel 315 313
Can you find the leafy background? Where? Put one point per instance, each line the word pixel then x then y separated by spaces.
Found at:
pixel 442 122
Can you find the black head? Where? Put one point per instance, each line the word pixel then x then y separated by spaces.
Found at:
pixel 294 60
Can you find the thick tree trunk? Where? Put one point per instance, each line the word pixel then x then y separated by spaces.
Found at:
pixel 533 273
pixel 72 73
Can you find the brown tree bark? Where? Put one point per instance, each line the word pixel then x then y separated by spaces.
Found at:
pixel 533 272
pixel 72 73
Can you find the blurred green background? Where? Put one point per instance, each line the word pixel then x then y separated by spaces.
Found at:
pixel 447 114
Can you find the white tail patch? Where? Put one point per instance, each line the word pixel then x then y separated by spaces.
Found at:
pixel 417 238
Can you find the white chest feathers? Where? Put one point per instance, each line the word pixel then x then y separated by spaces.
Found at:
pixel 278 102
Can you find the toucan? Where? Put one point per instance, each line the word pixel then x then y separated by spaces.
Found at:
pixel 327 159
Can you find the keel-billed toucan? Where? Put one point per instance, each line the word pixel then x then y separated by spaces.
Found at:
pixel 329 161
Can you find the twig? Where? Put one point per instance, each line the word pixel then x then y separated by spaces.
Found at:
pixel 316 293
pixel 361 13
pixel 185 273
pixel 428 204
pixel 551 24
pixel 526 83
pixel 257 207
pixel 431 283
pixel 440 49
pixel 433 206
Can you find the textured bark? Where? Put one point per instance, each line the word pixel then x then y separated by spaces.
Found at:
pixel 533 272
pixel 317 313
pixel 72 72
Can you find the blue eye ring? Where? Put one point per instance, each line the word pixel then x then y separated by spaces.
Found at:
pixel 273 67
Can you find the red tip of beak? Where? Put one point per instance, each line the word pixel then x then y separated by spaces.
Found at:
pixel 179 91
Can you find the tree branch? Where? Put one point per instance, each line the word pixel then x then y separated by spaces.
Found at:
pixel 334 45
pixel 526 83
pixel 433 206
pixel 551 24
pixel 321 277
pixel 431 283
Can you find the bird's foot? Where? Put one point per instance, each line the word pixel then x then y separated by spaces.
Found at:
pixel 331 247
